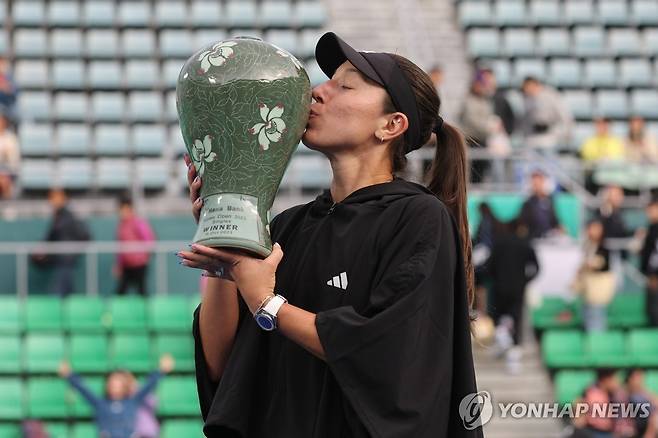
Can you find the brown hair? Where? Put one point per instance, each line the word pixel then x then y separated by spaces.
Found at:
pixel 447 178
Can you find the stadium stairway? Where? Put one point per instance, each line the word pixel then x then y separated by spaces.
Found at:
pixel 531 384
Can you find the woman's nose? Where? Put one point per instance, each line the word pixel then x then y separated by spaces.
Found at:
pixel 319 92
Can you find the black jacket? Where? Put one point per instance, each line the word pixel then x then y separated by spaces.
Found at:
pixel 66 227
pixel 539 215
pixel 383 272
pixel 649 253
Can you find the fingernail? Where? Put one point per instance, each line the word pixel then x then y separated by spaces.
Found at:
pixel 199 201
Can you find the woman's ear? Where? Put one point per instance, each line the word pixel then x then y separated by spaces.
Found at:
pixel 395 125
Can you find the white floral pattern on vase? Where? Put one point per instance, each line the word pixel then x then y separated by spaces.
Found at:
pixel 285 54
pixel 273 127
pixel 217 56
pixel 202 153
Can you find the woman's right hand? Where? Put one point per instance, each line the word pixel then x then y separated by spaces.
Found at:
pixel 194 183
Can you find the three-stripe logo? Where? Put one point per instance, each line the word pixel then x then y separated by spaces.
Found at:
pixel 339 281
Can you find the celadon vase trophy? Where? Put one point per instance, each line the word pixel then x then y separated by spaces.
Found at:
pixel 243 105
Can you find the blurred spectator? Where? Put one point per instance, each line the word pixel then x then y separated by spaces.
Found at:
pixel 605 390
pixel 10 157
pixel 610 213
pixel 641 146
pixel 538 211
pixel 8 91
pixel 476 120
pixel 547 121
pixel 595 281
pixel 482 245
pixel 649 262
pixel 131 267
pixel 637 394
pixel 502 107
pixel 146 423
pixel 64 227
pixel 512 266
pixel 603 145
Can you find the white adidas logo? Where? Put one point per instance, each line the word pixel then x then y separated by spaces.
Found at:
pixel 339 281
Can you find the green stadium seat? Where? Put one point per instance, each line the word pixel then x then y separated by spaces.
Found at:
pixel 606 349
pixel 66 43
pixel 601 73
pixel 275 13
pixel 145 106
pixel 176 43
pixel 643 347
pixel 182 428
pixel 88 353
pixel 148 139
pixel 483 42
pixel 612 103
pixel 613 12
pixel 11 315
pixel 128 313
pixel 589 41
pixel 578 12
pixel 113 174
pixel 30 43
pixel 564 72
pixel 32 74
pixel 579 102
pixel 510 13
pixel 143 74
pixel 69 75
pixel 171 13
pixel 46 397
pixel 57 430
pixel 12 400
pixel 73 139
pixel 83 430
pixel 569 385
pixel 37 174
pixel 563 349
pixel 206 13
pixel 181 347
pixel 105 75
pixel 28 13
pixel 519 42
pixel 98 13
pixel 651 380
pixel 131 351
pixel 43 353
pixel 169 314
pixel 624 42
pixel 80 408
pixel 43 313
pixel 107 106
pixel 310 14
pixel 111 139
pixel 10 354
pixel 75 173
pixel 10 430
pixel 240 14
pixel 177 396
pixel 63 13
pixel 102 43
pixel 554 42
pixel 636 73
pixel 134 14
pixel 475 13
pixel 153 174
pixel 70 106
pixel 644 12
pixel 643 103
pixel 138 43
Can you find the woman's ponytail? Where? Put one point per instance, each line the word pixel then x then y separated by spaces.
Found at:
pixel 447 179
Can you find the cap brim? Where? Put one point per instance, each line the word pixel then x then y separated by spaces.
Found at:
pixel 331 52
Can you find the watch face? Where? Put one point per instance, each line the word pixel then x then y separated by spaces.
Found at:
pixel 266 322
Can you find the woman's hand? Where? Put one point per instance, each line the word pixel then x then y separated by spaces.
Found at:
pixel 194 181
pixel 255 278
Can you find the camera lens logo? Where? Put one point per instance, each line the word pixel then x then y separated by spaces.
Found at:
pixel 476 410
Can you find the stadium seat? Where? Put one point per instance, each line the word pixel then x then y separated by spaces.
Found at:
pixel 69 75
pixel 98 13
pixel 37 174
pixel 11 315
pixel 569 385
pixel 563 349
pixel 11 430
pixel 144 106
pixel 30 43
pixel 113 174
pixel 564 72
pixel 203 38
pixel 246 32
pixel 10 354
pixel 240 13
pixel 177 396
pixel 483 42
pixel 12 399
pixel 169 314
pixel 644 12
pixel 79 407
pixel 529 67
pixel 171 13
pixel 176 141
pixel 171 113
pixel 650 37
pixel 611 103
pixel 142 74
pixel 105 75
pixel 545 12
pixel 275 13
pixel 206 13
pixel 84 314
pixel 148 139
pixel 554 42
pixel 171 68
pixel 28 13
pixel 111 140
pixel 35 139
pixel 308 38
pixel 3 41
pixel 128 313
pixel 109 107
pixel 578 12
pixel 43 314
pixel 636 73
pixel 70 106
pixel 176 43
pixel 643 103
pixel 88 353
pixel 65 43
pixel 503 70
pixel 134 14
pixel 606 349
pixel 73 139
pixel 475 13
pixel 32 74
pixel 624 42
pixel 285 39
pixel 46 397
pixel 581 132
pixel 102 43
pixel 580 103
pixel 600 73
pixel 651 381
pixel 63 13
pixel 589 41
pixel 152 174
pixel 131 351
pixel 180 346
pixel 138 43
pixel 613 12
pixel 643 347
pixel 59 429
pixel 182 428
pixel 519 42
pixel 510 13
pixel 83 430
pixel 34 105
pixel 43 352
pixel 309 14
pixel 75 173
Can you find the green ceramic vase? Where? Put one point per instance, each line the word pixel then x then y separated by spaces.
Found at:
pixel 243 105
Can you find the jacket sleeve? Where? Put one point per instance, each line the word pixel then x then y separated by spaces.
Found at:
pixel 84 391
pixel 149 386
pixel 405 362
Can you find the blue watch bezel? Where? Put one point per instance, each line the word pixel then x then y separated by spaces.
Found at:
pixel 265 320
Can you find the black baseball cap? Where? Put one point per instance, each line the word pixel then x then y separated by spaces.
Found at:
pixel 331 51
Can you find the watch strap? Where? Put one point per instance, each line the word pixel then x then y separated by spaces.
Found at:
pixel 273 305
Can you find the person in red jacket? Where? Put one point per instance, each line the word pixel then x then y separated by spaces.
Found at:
pixel 131 267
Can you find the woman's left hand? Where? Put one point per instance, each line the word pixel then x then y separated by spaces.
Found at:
pixel 255 278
